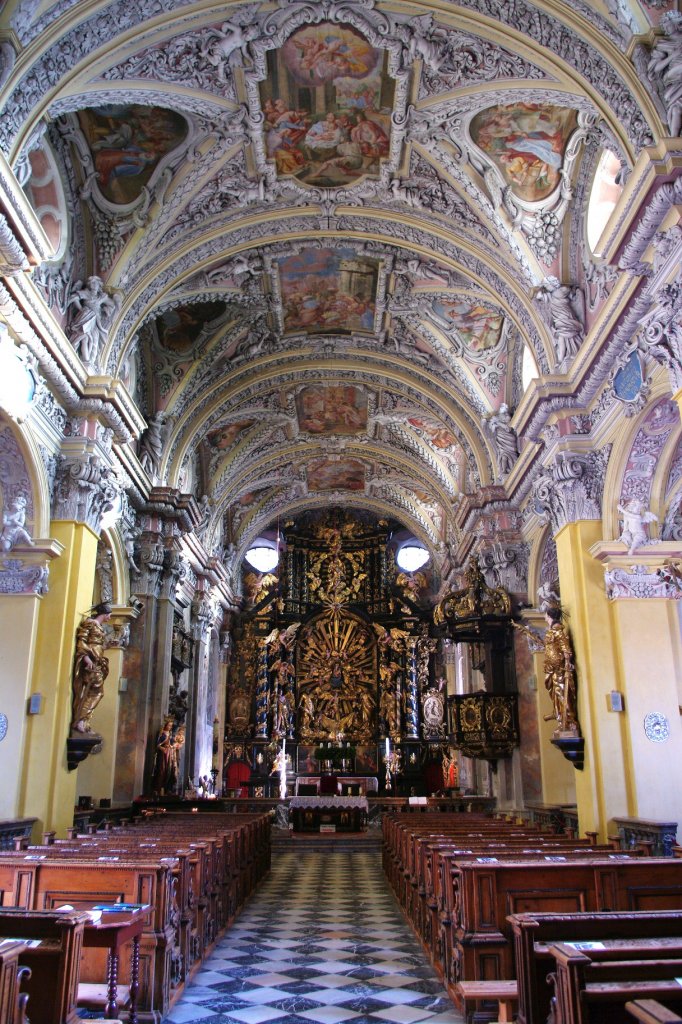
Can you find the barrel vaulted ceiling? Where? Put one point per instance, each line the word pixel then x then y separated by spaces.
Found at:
pixel 338 237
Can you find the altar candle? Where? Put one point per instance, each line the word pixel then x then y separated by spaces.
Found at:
pixel 283 772
pixel 388 747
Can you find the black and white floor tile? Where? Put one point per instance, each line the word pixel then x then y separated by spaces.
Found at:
pixel 323 941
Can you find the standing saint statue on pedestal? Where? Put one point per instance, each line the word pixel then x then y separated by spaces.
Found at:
pixel 90 667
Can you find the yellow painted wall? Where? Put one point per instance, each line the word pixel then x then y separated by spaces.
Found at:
pixel 95 776
pixel 649 644
pixel 18 627
pixel 48 789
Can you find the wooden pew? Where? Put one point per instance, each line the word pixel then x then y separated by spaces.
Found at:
pixel 54 962
pixel 195 871
pixel 591 992
pixel 650 1011
pixel 12 1000
pixel 476 933
pixel 533 933
pixel 36 882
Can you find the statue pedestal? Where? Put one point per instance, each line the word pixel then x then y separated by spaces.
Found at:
pixel 572 746
pixel 81 745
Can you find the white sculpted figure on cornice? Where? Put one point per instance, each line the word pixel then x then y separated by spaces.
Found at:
pixel 635 518
pixel 665 70
pixel 566 306
pixel 661 332
pixel 14 530
pixel 504 436
pixel 94 314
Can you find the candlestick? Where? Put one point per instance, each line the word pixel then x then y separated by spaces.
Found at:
pixel 283 772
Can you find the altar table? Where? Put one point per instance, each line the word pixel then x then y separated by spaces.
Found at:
pixel 346 813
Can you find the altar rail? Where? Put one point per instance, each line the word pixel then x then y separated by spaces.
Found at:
pixel 378 804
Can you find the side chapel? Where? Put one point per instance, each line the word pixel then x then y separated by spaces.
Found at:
pixel 340 390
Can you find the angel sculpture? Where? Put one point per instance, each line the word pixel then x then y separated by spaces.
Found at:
pixel 230 46
pixel 635 518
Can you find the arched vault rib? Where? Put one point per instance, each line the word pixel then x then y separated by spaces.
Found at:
pixel 495 279
pixel 264 375
pixel 256 462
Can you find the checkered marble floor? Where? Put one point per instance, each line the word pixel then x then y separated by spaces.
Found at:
pixel 323 941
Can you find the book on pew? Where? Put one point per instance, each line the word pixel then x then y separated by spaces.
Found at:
pixel 120 908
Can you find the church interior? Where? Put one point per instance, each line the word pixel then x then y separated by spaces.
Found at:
pixel 341 466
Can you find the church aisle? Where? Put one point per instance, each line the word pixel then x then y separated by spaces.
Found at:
pixel 322 942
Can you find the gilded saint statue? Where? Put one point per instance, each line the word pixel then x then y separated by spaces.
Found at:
pixel 90 667
pixel 560 680
pixel 560 672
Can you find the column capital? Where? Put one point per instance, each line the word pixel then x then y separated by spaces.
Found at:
pixel 86 485
pixel 506 565
pixel 570 488
pixel 655 571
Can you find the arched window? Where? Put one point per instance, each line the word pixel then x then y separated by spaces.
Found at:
pixel 411 555
pixel 603 197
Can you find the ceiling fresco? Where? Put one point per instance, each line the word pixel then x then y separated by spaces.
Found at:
pixel 327 103
pixel 328 291
pixel 331 232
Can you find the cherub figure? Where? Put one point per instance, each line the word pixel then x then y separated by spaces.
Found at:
pixel 13 530
pixel 635 518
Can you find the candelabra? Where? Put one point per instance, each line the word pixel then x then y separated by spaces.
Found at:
pixel 392 767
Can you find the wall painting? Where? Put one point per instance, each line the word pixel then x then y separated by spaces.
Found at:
pixel 224 437
pixel 478 326
pixel 127 142
pixel 178 329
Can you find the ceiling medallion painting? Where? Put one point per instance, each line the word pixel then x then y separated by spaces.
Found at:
pixel 126 143
pixel 327 103
pixel 221 439
pixel 336 475
pixel 332 410
pixel 328 290
pixel 478 327
pixel 178 329
pixel 527 142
